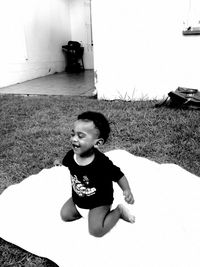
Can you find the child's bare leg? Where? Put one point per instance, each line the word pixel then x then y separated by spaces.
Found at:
pixel 69 212
pixel 102 220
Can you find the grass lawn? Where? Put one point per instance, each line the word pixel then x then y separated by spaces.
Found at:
pixel 35 130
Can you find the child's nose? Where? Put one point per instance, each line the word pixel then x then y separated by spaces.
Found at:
pixel 74 138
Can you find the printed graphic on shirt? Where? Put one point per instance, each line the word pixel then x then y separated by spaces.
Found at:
pixel 81 188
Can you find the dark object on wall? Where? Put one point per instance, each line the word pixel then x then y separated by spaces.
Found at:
pixel 192 31
pixel 74 56
pixel 184 98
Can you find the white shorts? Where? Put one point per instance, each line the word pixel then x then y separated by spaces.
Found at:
pixel 83 212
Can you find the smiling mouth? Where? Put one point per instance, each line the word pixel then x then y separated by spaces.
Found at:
pixel 75 146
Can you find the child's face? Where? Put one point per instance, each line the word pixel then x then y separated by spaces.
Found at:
pixel 84 137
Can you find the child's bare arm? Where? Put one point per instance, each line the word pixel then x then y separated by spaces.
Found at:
pixel 124 184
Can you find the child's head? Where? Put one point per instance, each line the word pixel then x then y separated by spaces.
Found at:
pixel 91 129
pixel 100 123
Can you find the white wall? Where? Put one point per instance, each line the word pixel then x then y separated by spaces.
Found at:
pixel 80 22
pixel 139 49
pixel 32 34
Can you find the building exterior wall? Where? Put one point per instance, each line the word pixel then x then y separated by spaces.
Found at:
pixel 139 49
pixel 32 34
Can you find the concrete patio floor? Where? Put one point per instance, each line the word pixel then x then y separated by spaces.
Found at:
pixel 70 84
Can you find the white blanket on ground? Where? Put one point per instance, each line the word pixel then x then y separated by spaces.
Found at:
pixel 166 232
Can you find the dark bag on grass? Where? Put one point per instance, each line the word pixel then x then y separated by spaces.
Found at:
pixel 182 98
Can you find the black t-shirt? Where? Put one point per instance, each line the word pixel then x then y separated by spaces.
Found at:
pixel 92 184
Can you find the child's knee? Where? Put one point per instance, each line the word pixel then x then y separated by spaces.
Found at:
pixel 67 215
pixel 64 216
pixel 96 231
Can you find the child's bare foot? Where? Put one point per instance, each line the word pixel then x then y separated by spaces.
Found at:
pixel 125 214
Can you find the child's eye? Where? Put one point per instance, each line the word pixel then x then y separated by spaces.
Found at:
pixel 81 135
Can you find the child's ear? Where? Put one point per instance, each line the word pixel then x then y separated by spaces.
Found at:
pixel 99 142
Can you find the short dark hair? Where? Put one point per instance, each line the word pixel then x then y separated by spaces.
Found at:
pixel 100 122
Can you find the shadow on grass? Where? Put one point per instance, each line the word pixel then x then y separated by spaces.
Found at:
pixel 11 255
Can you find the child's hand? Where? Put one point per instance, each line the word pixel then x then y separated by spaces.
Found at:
pixel 128 196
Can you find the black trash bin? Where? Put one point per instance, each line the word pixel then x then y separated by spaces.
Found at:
pixel 74 56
